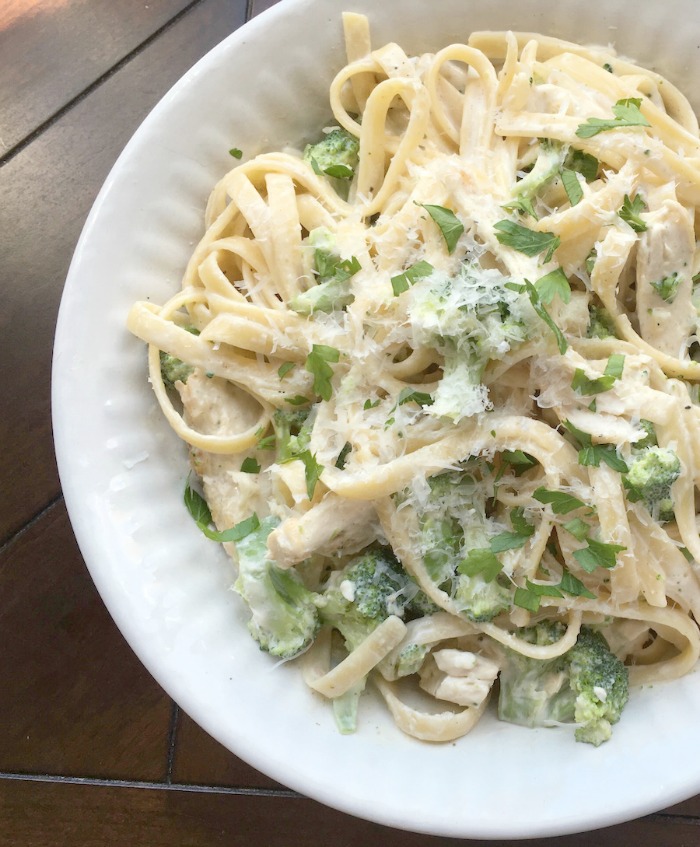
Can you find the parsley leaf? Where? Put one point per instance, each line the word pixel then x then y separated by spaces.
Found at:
pixel 627 113
pixel 410 395
pixel 522 205
pixel 561 502
pixel 312 471
pixel 572 186
pixel 526 240
pixel 630 212
pixel 284 369
pixel 597 555
pixel 613 371
pixel 583 163
pixel 578 528
pixel 402 282
pixel 595 454
pixel 329 266
pixel 235 152
pixel 343 455
pixel 552 285
pixel 570 584
pixel 317 364
pixel 519 460
pixel 250 465
pixel 480 561
pixel 515 538
pixel 540 310
pixel 450 225
pixel 199 510
pixel 530 596
pixel 592 454
pixel 667 288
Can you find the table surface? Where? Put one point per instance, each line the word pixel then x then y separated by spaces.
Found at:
pixel 91 748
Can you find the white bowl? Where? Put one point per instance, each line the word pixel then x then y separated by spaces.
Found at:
pixel 123 471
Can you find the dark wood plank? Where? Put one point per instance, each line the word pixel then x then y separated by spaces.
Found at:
pixel 51 51
pixel 64 815
pixel 47 191
pixel 200 760
pixel 74 698
pixel 258 6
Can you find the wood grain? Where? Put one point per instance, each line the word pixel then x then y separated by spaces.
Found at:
pixel 68 815
pixel 74 698
pixel 200 760
pixel 51 50
pixel 47 192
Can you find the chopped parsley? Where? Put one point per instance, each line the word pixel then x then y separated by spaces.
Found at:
pixel 403 281
pixel 667 288
pixel 627 113
pixel 199 510
pixel 630 212
pixel 317 363
pixel 561 502
pixel 449 224
pixel 587 386
pixel 526 240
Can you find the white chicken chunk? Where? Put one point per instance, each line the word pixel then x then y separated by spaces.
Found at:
pixel 458 676
pixel 664 268
pixel 331 525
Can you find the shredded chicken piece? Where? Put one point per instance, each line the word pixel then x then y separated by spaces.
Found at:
pixel 459 676
pixel 333 524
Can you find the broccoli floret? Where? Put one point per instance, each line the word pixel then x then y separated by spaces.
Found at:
pixel 292 432
pixel 588 685
pixel 335 155
pixel 601 684
pixel 470 319
pixel 333 274
pixel 284 619
pixel 651 474
pixel 548 165
pixel 535 692
pixel 372 586
pixel 601 323
pixel 482 599
pixel 174 370
pixel 453 522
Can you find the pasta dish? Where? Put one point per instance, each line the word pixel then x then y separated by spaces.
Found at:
pixel 437 370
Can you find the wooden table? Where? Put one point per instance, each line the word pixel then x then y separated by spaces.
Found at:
pixel 92 751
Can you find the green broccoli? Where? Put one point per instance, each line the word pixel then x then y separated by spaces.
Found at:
pixel 335 155
pixel 372 586
pixel 651 474
pixel 332 290
pixel 587 685
pixel 601 323
pixel 173 369
pixel 284 619
pixel 601 684
pixel 292 432
pixel 550 158
pixel 453 523
pixel 470 319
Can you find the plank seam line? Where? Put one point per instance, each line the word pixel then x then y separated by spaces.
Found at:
pixel 6 543
pixel 192 788
pixel 132 54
